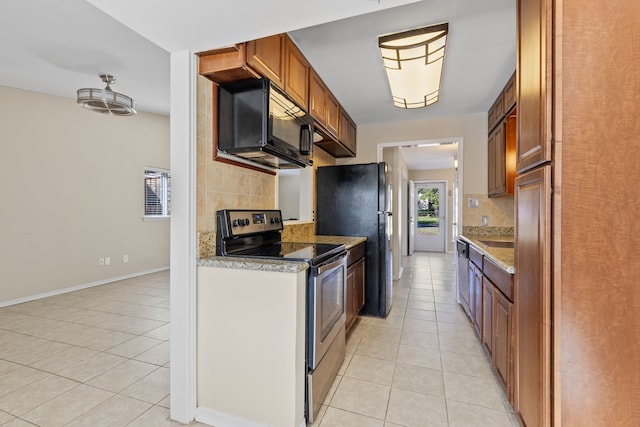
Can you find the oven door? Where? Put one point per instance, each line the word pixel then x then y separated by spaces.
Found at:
pixel 327 306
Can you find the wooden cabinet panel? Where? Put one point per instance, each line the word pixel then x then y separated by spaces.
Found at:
pixel 475 256
pixel 496 113
pixel 347 132
pixel 487 314
pixel 532 296
pixel 475 288
pixel 332 115
pixel 534 83
pixel 501 147
pixel 266 55
pixel 502 342
pixel 509 94
pixel 317 95
pixel 225 65
pixel 296 77
pixel 496 162
pixel 355 283
pixel 500 278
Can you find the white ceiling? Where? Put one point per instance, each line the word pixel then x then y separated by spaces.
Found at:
pixel 59 46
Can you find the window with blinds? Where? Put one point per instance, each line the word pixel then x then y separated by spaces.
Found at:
pixel 157 193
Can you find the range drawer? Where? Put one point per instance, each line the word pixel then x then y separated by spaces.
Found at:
pixel 355 253
pixel 500 278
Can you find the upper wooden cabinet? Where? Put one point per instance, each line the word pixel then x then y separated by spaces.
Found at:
pixel 533 53
pixel 509 94
pixel 267 57
pixel 226 65
pixel 317 97
pixel 347 131
pixel 501 142
pixel 323 106
pixel 296 76
pixel 279 59
pixel 496 113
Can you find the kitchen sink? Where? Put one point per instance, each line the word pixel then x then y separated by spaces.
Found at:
pixel 497 243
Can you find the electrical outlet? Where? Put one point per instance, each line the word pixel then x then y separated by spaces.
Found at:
pixel 484 220
pixel 100 261
pixel 107 261
pixel 125 258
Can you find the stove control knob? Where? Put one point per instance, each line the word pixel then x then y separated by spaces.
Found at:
pixel 245 221
pixel 235 223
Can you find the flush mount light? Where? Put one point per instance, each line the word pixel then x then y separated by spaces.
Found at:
pixel 106 101
pixel 413 60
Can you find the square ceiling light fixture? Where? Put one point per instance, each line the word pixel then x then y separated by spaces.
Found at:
pixel 413 60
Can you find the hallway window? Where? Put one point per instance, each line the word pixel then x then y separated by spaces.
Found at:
pixel 157 193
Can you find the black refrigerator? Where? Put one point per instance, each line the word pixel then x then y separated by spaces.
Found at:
pixel 355 200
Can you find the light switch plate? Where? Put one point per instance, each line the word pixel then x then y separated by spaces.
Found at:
pixel 484 220
pixel 473 202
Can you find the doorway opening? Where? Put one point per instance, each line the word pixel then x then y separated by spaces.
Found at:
pixel 430 213
pixel 421 161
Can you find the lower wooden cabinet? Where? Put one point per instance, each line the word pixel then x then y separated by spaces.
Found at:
pixel 487 315
pixel 497 333
pixel 475 305
pixel 355 284
pixel 491 316
pixel 503 342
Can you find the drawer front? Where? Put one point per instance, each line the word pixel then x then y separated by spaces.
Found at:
pixel 475 256
pixel 355 253
pixel 500 278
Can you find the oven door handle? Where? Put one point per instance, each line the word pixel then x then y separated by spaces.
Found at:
pixel 330 265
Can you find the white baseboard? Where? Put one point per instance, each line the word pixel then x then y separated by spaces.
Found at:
pixel 220 419
pixel 78 287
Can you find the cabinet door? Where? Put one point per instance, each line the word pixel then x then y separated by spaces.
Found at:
pixel 509 94
pixel 533 58
pixel 266 56
pixel 532 296
pixel 487 314
pixel 475 285
pixel 333 114
pixel 317 95
pixel 502 332
pixel 496 112
pixel 359 285
pixel 497 180
pixel 296 77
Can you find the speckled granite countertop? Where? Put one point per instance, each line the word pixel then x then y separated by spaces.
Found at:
pixel 503 257
pixel 253 264
pixel 348 241
pixel 276 265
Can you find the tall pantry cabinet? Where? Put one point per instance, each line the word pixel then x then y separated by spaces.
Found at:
pixel 577 299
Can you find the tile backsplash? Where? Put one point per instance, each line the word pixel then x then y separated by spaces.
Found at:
pixel 221 185
pixel 498 210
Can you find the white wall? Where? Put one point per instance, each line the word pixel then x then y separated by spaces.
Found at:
pixel 72 192
pixel 473 128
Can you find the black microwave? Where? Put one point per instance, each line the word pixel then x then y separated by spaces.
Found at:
pixel 259 122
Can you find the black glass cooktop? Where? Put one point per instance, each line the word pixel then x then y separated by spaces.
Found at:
pixel 308 252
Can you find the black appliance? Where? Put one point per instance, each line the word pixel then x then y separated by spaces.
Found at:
pixel 256 234
pixel 355 200
pixel 259 122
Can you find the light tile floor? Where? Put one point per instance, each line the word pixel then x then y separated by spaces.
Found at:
pixel 94 357
pixel 100 357
pixel 422 366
